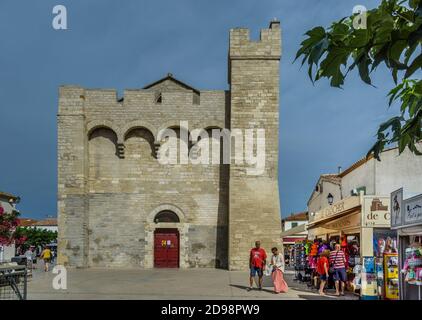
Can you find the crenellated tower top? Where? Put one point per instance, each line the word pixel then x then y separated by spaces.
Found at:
pixel 268 46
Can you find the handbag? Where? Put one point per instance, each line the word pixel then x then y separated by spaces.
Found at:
pixel 331 269
pixel 268 270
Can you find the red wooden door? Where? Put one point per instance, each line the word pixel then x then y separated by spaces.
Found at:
pixel 166 248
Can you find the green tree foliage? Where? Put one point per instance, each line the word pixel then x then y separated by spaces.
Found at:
pixel 36 236
pixel 392 36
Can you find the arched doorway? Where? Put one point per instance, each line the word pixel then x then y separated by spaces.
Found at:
pixel 166 241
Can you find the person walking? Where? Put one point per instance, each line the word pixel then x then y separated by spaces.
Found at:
pixel 28 256
pixel 277 274
pixel 46 256
pixel 257 262
pixel 338 268
pixel 53 256
pixel 322 269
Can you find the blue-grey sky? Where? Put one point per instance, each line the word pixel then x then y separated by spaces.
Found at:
pixel 128 44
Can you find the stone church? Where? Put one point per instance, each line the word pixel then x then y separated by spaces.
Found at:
pixel 118 206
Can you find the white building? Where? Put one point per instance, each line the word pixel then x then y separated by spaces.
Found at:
pixel 294 228
pixel 355 203
pixel 49 224
pixel 7 204
pixel 374 177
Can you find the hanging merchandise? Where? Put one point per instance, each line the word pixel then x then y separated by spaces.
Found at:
pixel 368 265
pixel 412 268
pixel 324 246
pixel 391 278
pixel 351 249
pixel 300 256
pixel 379 271
pixel 369 289
pixel 300 260
pixel 312 262
pixel 386 259
pixel 314 249
pixel 332 244
pixel 354 253
pixel 307 247
pixel 344 242
pixel 357 271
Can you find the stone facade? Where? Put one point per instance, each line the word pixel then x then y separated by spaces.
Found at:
pixel 254 87
pixel 111 185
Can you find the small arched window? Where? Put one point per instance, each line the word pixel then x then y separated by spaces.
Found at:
pixel 159 98
pixel 166 216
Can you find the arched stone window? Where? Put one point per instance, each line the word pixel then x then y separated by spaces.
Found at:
pixel 103 140
pixel 139 140
pixel 166 216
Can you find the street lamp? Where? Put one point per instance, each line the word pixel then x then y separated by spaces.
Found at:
pixel 330 199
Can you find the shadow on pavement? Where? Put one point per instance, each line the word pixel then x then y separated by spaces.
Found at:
pixel 253 289
pixel 315 297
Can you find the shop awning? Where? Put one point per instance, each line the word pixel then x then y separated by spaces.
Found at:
pixel 315 224
pixel 292 240
pixel 411 231
pixel 296 230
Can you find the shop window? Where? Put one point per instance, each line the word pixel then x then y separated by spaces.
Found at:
pixel 356 192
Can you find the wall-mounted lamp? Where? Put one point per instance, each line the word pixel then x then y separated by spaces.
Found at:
pixel 330 199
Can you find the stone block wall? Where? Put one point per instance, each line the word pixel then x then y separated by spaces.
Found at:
pixel 110 179
pixel 254 207
pixel 72 178
pixel 111 185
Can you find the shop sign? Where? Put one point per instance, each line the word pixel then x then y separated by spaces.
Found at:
pixel 412 210
pixel 406 212
pixel 396 201
pixel 376 212
pixel 347 222
pixel 337 208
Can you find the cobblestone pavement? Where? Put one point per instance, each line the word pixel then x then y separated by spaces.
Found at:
pixel 203 284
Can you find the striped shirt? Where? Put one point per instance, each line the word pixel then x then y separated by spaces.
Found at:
pixel 337 259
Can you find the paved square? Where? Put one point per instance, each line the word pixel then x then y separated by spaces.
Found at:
pixel 203 284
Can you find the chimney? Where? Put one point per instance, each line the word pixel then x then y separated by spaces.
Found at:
pixel 275 24
pixel 339 169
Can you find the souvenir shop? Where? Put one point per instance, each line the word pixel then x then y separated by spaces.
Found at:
pixel 361 224
pixel 406 218
pixel 290 238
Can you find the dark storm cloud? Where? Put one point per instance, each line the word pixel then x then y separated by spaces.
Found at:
pixel 127 44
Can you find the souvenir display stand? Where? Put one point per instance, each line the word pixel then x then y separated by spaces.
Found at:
pixel 386 263
pixel 406 218
pixel 391 276
pixel 301 261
